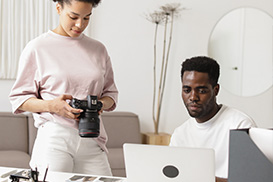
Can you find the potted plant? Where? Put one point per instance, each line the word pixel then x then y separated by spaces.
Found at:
pixel 164 16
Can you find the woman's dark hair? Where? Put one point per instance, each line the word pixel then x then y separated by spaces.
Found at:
pixel 93 2
pixel 202 64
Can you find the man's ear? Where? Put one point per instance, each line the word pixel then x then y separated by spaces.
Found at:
pixel 58 8
pixel 216 89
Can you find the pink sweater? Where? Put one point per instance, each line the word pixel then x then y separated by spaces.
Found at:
pixel 52 65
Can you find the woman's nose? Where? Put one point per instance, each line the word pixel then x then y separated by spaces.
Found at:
pixel 79 24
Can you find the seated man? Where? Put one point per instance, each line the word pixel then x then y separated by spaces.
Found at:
pixel 210 122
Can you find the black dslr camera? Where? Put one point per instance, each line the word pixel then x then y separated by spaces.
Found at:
pixel 89 125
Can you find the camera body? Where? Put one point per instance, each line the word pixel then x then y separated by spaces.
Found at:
pixel 89 125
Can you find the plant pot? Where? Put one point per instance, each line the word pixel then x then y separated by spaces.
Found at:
pixel 156 139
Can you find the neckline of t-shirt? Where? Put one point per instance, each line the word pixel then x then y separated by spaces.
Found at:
pixel 65 37
pixel 208 123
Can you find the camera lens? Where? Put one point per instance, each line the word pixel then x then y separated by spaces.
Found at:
pixel 89 125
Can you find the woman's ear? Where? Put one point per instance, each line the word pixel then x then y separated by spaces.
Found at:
pixel 58 8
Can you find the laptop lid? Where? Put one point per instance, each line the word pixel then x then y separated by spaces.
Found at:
pixel 149 163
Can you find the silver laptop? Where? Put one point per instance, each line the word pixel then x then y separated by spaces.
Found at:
pixel 154 163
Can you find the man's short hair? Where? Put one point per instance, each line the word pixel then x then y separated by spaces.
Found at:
pixel 202 64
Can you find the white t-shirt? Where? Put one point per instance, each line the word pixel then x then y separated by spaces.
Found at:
pixel 212 134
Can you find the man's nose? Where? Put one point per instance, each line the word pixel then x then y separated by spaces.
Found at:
pixel 194 96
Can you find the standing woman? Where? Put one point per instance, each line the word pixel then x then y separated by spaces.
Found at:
pixel 55 67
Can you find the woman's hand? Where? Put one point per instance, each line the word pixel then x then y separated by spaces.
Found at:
pixel 107 102
pixel 58 106
pixel 62 108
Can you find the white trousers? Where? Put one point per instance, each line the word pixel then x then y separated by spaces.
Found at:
pixel 62 149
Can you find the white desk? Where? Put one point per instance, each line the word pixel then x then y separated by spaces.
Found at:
pixel 58 176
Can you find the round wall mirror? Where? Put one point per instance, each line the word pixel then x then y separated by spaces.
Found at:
pixel 242 43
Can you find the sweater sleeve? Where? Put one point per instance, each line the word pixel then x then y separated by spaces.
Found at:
pixel 26 85
pixel 110 88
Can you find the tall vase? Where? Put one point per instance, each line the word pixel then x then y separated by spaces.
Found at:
pixel 156 139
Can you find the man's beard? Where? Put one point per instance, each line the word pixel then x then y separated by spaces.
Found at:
pixel 202 111
pixel 195 114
